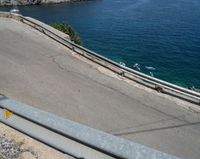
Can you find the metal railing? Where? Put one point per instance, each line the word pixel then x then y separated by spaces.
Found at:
pixel 149 81
pixel 70 137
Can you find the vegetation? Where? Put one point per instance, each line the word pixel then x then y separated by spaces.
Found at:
pixel 67 29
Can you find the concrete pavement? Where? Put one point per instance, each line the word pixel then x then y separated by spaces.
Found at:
pixel 37 71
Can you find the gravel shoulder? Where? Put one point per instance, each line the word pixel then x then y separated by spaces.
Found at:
pixel 15 145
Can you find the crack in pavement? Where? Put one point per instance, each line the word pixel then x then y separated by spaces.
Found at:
pixel 124 132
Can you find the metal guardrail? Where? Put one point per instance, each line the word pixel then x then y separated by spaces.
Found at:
pixel 70 137
pixel 152 82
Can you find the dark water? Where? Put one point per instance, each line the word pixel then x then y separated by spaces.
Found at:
pixel 163 34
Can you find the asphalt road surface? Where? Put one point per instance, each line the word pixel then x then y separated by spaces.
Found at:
pixel 40 72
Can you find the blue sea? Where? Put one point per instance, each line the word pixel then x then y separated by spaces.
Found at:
pixel 161 36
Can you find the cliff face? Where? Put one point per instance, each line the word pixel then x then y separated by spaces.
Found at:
pixel 19 2
pixel 32 2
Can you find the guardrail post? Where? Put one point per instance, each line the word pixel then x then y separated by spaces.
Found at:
pixel 122 73
pixel 21 20
pixel 158 88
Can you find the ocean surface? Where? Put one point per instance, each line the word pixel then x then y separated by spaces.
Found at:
pixel 161 36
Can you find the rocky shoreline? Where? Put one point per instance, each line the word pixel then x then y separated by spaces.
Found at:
pixel 34 2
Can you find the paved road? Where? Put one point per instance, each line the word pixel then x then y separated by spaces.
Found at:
pixel 37 71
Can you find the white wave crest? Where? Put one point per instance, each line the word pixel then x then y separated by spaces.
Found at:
pixel 136 66
pixel 150 68
pixel 122 63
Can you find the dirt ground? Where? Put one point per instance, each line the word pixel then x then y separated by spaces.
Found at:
pixel 31 149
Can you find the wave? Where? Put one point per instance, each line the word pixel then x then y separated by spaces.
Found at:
pixel 122 63
pixel 150 68
pixel 136 66
pixel 151 73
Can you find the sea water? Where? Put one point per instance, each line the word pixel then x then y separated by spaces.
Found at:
pixel 161 36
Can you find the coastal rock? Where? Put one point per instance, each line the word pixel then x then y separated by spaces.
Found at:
pixel 32 2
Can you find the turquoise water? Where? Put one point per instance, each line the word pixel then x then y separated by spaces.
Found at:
pixel 163 34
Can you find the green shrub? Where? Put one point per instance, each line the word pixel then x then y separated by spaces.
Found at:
pixel 67 29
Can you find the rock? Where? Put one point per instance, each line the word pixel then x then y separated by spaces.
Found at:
pixel 12 150
pixel 33 2
pixel 8 149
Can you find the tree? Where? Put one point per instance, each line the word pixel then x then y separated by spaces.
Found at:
pixel 67 29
